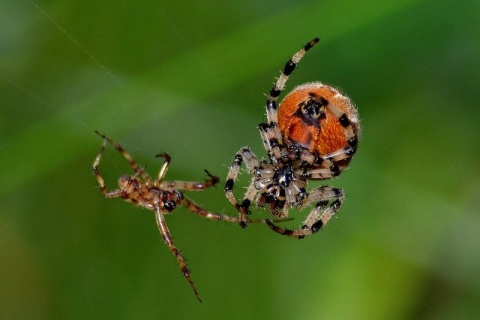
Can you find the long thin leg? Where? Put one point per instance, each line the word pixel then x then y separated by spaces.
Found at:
pixel 98 175
pixel 330 165
pixel 341 154
pixel 251 162
pixel 287 71
pixel 136 168
pixel 272 141
pixel 191 185
pixel 167 237
pixel 195 208
pixel 326 166
pixel 182 185
pixel 271 105
pixel 320 214
pixel 164 168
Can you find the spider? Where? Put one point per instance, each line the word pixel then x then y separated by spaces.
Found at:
pixel 159 196
pixel 313 135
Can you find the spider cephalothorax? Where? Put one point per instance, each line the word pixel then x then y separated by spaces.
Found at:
pixel 313 135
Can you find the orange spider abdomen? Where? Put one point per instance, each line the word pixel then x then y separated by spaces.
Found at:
pixel 309 116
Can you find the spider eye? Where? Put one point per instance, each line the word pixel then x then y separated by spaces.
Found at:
pixel 169 205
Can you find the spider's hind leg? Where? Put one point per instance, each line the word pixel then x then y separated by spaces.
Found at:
pixel 329 201
pixel 167 237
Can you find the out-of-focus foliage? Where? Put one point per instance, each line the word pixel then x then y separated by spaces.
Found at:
pixel 188 78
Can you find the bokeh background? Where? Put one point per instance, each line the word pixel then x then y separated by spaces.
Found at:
pixel 189 78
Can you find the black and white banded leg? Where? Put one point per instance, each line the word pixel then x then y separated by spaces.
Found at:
pixel 251 163
pixel 328 201
pixel 270 130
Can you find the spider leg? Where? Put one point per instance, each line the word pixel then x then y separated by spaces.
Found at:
pixel 191 185
pixel 341 154
pixel 327 170
pixel 136 168
pixel 282 80
pixel 197 209
pixel 96 171
pixel 272 141
pixel 167 237
pixel 98 175
pixel 164 168
pixel 270 132
pixel 327 166
pixel 251 162
pixel 320 214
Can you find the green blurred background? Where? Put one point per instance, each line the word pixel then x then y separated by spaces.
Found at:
pixel 189 78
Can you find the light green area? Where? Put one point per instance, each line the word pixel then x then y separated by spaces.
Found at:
pixel 189 78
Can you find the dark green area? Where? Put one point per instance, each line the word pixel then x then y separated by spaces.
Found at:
pixel 189 78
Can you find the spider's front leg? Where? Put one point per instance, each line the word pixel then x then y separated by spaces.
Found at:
pixel 328 201
pixel 98 175
pixel 133 164
pixel 96 171
pixel 197 209
pixel 191 185
pixel 251 162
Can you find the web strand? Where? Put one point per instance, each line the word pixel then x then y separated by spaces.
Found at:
pixel 77 44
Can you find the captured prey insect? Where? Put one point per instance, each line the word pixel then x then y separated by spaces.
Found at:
pixel 312 136
pixel 159 196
